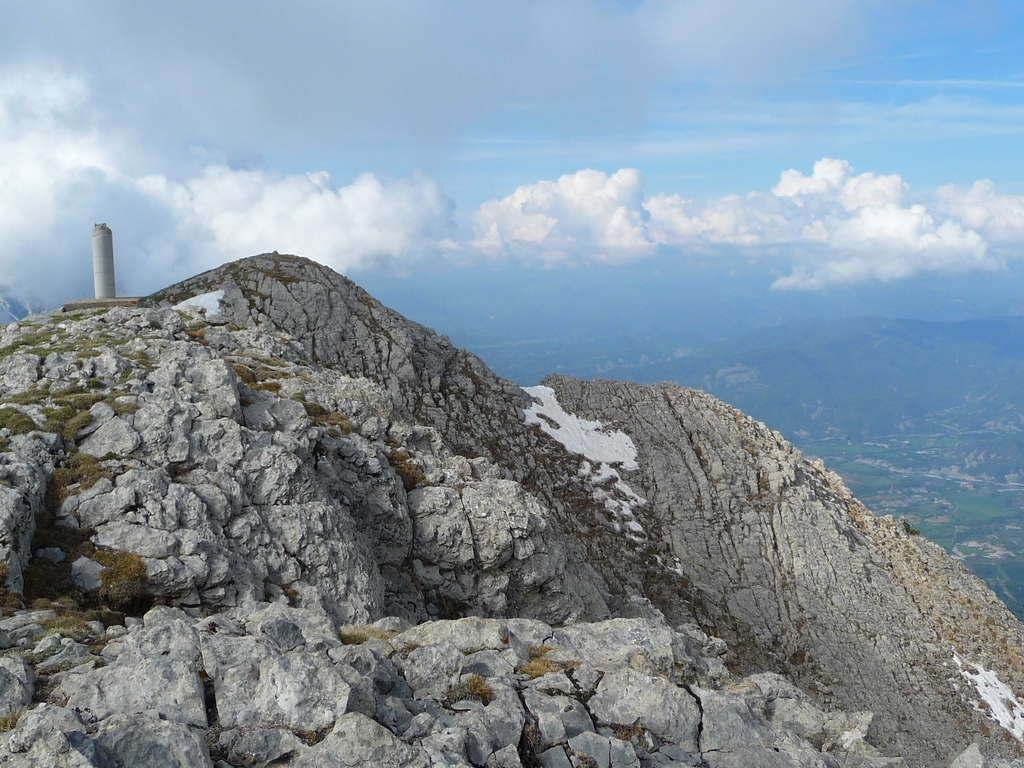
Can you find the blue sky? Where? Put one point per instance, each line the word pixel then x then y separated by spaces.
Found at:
pixel 784 159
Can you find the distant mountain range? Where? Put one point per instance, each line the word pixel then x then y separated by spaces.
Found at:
pixel 869 379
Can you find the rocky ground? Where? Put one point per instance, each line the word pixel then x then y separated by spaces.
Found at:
pixel 274 685
pixel 243 525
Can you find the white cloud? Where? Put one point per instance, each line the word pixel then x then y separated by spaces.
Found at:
pixel 43 153
pixel 586 213
pixel 999 217
pixel 834 180
pixel 60 173
pixel 226 214
pixel 830 228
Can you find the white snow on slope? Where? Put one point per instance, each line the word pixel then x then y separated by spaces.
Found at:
pixel 587 438
pixel 600 446
pixel 207 301
pixel 1003 706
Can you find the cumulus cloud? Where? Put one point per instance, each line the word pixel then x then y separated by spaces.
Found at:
pixel 51 160
pixel 980 207
pixel 227 213
pixel 60 173
pixel 832 227
pixel 587 213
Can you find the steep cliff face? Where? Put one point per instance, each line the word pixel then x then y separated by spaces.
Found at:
pixel 796 575
pixel 269 433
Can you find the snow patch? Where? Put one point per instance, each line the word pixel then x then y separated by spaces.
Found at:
pixel 210 302
pixel 1003 706
pixel 581 436
pixel 601 448
pixel 609 489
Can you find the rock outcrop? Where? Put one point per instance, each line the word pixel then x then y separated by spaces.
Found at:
pixel 277 462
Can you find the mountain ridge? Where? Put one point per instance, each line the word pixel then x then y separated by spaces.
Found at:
pixel 303 446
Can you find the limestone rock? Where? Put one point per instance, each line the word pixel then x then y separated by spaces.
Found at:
pixel 145 741
pixel 307 459
pixel 16 684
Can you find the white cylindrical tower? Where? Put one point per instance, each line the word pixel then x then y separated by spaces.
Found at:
pixel 103 262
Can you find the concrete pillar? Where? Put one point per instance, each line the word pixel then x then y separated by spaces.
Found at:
pixel 103 262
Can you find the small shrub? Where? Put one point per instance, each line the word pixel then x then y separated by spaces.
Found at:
pixel 9 601
pixel 909 529
pixel 472 688
pixel 357 634
pixel 123 580
pixel 47 581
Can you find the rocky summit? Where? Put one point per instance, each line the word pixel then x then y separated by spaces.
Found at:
pixel 264 520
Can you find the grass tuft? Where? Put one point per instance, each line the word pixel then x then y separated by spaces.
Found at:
pixel 470 688
pixel 411 475
pixel 123 580
pixel 539 665
pixel 8 721
pixel 16 421
pixel 357 634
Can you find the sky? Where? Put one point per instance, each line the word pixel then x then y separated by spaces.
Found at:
pixel 506 170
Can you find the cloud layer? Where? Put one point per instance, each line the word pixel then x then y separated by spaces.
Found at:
pixel 248 73
pixel 230 213
pixel 833 227
pixel 59 174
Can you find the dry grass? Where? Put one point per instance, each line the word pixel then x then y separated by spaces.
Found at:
pixel 357 634
pixel 628 732
pixel 81 468
pixel 412 476
pixel 123 580
pixel 320 415
pixel 7 722
pixel 472 688
pixel 539 665
pixel 122 407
